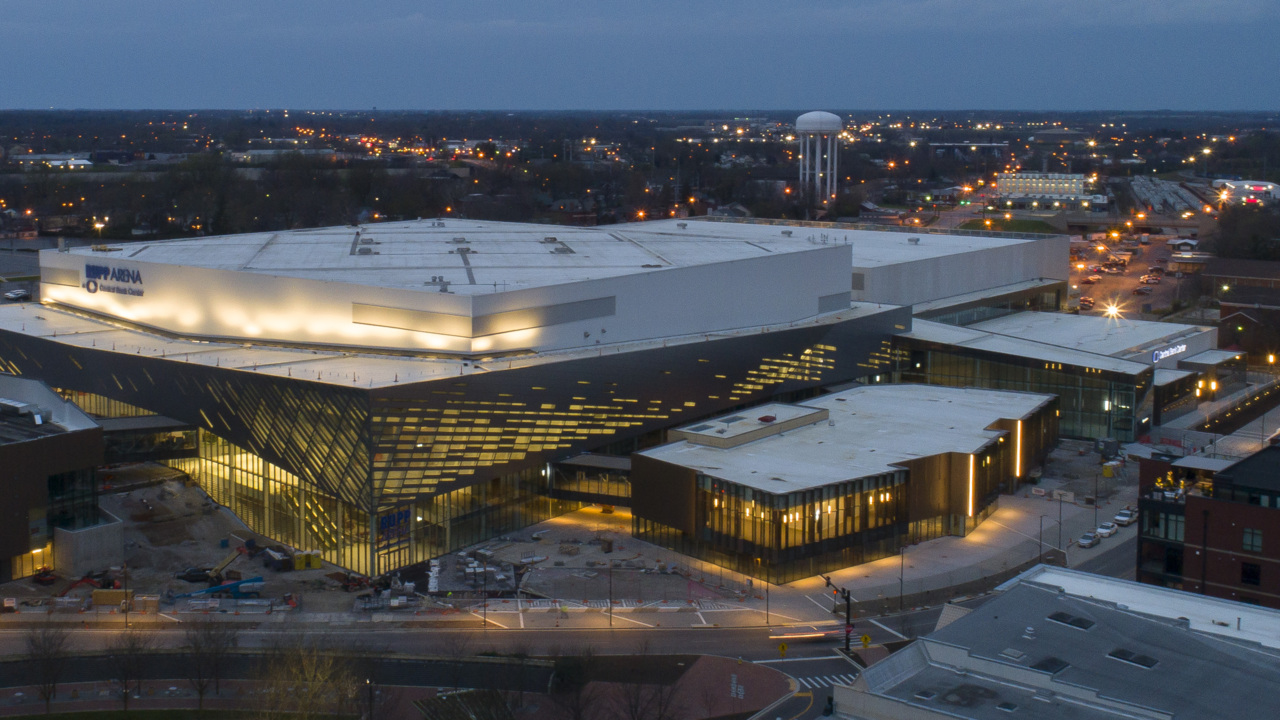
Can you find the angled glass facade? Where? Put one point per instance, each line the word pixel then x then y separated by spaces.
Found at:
pixel 379 478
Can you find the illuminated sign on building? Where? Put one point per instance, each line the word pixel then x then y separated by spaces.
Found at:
pixel 97 277
pixel 1159 355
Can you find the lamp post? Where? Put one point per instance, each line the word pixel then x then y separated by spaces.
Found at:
pixel 902 568
pixel 611 593
pixel 1040 557
pixel 1096 477
pixel 368 683
pixel 484 609
pixel 766 604
pixel 1059 520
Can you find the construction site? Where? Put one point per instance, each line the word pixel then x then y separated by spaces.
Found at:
pixel 184 553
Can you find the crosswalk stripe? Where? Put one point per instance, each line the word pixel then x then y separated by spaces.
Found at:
pixel 805 682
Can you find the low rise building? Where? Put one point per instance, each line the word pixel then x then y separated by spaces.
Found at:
pixel 1058 644
pixel 1209 525
pixel 784 491
pixel 48 452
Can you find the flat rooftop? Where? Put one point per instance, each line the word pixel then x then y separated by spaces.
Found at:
pixel 1114 337
pixel 478 257
pixel 869 431
pixel 325 365
pixel 21 400
pixel 1210 616
pixel 1043 350
pixel 1092 659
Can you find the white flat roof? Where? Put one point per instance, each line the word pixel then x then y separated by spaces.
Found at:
pixel 350 369
pixel 1115 337
pixel 500 257
pixel 870 430
pixel 1164 377
pixel 1208 615
pixel 1213 357
pixel 1008 345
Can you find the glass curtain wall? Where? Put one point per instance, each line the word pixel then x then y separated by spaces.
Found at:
pixel 1094 403
pixel 785 537
pixel 273 503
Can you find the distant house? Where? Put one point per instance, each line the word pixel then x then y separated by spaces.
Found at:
pixel 1183 245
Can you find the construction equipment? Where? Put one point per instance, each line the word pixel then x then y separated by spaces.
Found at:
pixel 94 580
pixel 250 588
pixel 216 573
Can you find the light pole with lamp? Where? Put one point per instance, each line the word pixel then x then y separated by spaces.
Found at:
pixel 368 683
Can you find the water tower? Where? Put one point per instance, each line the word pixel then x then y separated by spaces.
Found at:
pixel 818 131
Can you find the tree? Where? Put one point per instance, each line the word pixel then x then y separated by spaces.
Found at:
pixel 208 642
pixel 129 650
pixel 303 680
pixel 457 647
pixel 571 688
pixel 48 645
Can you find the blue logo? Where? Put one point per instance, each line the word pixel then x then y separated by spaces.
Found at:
pixel 98 278
pixel 114 274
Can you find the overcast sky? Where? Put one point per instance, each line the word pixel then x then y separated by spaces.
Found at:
pixel 642 54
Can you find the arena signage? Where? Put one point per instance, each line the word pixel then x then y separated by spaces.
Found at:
pixel 1159 355
pixel 112 279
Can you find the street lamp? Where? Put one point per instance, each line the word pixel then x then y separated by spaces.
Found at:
pixel 902 568
pixel 1040 557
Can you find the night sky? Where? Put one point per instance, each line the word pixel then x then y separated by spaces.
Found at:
pixel 651 54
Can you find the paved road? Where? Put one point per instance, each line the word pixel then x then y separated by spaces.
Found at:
pixel 1118 558
pixel 814 679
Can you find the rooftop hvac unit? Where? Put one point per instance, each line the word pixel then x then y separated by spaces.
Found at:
pixel 786 233
pixel 365 251
pixel 366 241
pixel 682 225
pixel 458 240
pixel 913 241
pixel 549 239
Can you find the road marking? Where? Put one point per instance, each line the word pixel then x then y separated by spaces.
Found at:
pixel 882 627
pixel 805 711
pixel 804 682
pixel 823 658
pixel 624 617
pixel 495 622
pixel 815 602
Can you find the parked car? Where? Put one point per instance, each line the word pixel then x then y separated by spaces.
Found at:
pixel 1152 280
pixel 1095 268
pixel 17 295
pixel 1113 271
pixel 1155 270
pixel 1106 529
pixel 1142 290
pixel 1090 280
pixel 1088 540
pixel 194 575
pixel 1126 517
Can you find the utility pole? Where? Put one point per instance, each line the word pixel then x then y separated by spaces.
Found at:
pixel 766 604
pixel 611 593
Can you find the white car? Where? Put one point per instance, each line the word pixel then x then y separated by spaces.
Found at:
pixel 1106 529
pixel 17 295
pixel 1125 517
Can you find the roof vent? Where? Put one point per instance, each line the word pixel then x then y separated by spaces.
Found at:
pixel 458 240
pixel 366 240
pixel 767 418
pixel 365 251
pixel 913 241
pixel 548 240
pixel 563 250
pixel 786 233
pixel 682 225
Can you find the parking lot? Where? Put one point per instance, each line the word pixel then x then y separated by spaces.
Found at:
pixel 1118 289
